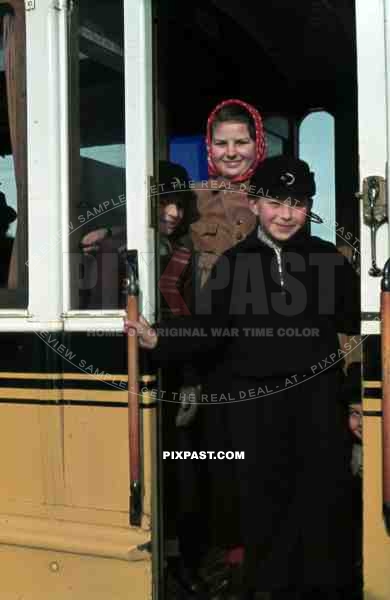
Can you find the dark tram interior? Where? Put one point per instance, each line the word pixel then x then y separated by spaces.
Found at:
pixel 288 59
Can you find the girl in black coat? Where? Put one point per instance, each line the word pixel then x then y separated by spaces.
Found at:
pixel 265 333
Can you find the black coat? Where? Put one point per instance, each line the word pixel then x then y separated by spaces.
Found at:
pixel 265 335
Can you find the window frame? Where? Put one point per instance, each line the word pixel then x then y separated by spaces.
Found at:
pixel 43 27
pixel 139 153
pixel 15 299
pixel 48 165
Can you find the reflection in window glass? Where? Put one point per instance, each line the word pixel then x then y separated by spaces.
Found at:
pixel 8 187
pixel 113 154
pixel 13 158
pixel 317 148
pixel 98 155
pixel 278 126
pixel 277 132
pixel 274 145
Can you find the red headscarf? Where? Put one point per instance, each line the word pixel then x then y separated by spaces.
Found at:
pixel 260 139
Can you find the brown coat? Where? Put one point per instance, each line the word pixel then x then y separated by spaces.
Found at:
pixel 224 220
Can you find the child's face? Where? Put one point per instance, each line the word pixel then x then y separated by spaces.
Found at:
pixel 232 149
pixel 280 220
pixel 170 217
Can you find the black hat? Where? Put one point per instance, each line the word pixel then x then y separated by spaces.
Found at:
pixel 284 177
pixel 7 213
pixel 174 177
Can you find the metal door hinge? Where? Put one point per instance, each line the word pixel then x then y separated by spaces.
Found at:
pixel 374 200
pixel 29 4
pixel 374 213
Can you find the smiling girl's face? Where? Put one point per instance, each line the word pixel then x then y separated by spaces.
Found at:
pixel 233 151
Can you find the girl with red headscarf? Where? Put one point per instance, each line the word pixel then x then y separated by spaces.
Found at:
pixel 235 146
pixel 236 112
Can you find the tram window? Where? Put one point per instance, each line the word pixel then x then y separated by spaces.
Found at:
pixel 97 133
pixel 274 145
pixel 277 131
pixel 317 148
pixel 13 157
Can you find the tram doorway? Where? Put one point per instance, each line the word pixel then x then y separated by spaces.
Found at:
pixel 296 63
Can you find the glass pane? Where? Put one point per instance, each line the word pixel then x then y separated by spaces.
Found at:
pixel 97 207
pixel 13 159
pixel 277 125
pixel 274 145
pixel 277 133
pixel 317 148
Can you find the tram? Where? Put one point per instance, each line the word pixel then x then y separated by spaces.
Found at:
pixel 93 96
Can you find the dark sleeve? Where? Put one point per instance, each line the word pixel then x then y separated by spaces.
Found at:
pixel 347 300
pixel 191 375
pixel 186 339
pixel 191 371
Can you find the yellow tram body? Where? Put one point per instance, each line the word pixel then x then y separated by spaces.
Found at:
pixel 105 87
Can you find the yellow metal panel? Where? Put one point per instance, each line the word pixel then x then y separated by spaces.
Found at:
pixel 372 404
pixel 41 394
pixel 108 395
pixel 21 456
pixel 51 433
pixel 75 376
pixel 78 538
pixel 96 457
pixel 376 542
pixel 372 384
pixel 30 375
pixel 43 575
pixel 45 395
pixel 148 421
pixel 64 499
